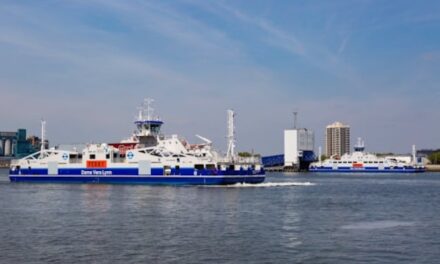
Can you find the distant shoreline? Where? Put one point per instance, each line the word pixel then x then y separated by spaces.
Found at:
pixel 431 168
pixel 4 164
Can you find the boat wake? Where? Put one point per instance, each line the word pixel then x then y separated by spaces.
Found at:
pixel 264 185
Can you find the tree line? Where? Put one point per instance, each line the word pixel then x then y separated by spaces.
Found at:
pixel 434 157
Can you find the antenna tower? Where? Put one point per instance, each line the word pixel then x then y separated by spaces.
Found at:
pixel 295 119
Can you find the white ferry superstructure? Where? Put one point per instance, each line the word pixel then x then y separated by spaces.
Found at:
pixel 361 161
pixel 146 158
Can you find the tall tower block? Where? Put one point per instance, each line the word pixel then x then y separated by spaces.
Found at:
pixel 337 139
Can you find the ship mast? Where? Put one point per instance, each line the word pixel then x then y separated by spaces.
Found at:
pixel 360 146
pixel 43 134
pixel 148 102
pixel 414 154
pixel 145 110
pixel 231 135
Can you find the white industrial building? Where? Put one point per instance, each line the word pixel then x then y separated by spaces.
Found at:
pixel 298 147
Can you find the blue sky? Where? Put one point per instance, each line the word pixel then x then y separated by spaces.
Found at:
pixel 86 65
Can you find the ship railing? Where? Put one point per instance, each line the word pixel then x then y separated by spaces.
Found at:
pixel 240 160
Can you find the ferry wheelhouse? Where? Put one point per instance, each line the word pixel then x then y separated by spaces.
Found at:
pixel 147 157
pixel 361 161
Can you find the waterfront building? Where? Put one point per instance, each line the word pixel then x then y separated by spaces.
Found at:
pixel 299 144
pixel 298 147
pixel 7 143
pixel 15 144
pixel 35 142
pixel 337 139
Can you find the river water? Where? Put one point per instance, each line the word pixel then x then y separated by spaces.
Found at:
pixel 291 218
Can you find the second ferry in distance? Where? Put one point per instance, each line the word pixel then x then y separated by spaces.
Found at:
pixel 147 157
pixel 361 161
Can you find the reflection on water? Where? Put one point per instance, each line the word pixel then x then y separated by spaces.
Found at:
pixel 291 221
pixel 377 225
pixel 300 218
pixel 95 197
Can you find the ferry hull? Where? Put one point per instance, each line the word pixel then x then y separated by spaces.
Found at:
pixel 130 179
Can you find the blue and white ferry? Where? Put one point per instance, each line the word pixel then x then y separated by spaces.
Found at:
pixel 363 162
pixel 146 158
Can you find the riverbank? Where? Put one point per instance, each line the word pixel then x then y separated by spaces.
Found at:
pixel 4 164
pixel 433 168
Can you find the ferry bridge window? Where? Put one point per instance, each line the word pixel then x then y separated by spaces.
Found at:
pixel 155 129
pixel 210 166
pixel 92 156
pixel 199 166
pixel 107 156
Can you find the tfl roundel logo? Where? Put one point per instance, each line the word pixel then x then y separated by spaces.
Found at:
pixel 65 156
pixel 130 155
